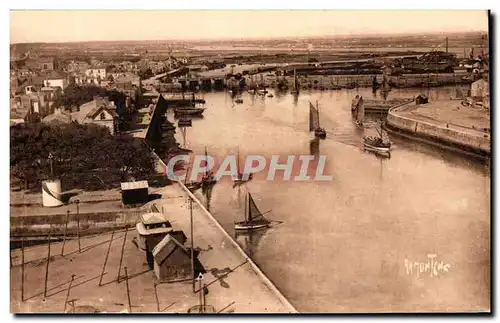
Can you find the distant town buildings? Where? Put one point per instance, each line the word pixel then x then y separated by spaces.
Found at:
pixel 55 79
pixel 95 75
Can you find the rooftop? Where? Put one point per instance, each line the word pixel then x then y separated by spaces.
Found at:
pixel 153 218
pixel 90 109
pixel 134 185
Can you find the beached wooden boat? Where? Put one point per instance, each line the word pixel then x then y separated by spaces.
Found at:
pixel 254 219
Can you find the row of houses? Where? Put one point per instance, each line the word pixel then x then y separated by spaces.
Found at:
pixel 36 106
pixel 33 104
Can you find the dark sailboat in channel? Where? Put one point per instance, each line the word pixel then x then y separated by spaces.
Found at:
pixel 314 121
pixel 192 185
pixel 254 218
pixel 208 178
pixel 295 89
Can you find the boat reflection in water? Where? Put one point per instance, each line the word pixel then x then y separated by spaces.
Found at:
pixel 314 147
pixel 249 240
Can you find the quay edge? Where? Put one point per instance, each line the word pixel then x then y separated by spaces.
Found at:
pixel 254 266
pixel 437 135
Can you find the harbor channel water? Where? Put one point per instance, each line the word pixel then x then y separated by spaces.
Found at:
pixel 361 242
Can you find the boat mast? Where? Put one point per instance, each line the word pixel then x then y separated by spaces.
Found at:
pixel 294 80
pixel 206 162
pixel 246 198
pixel 238 162
pixel 317 112
pixel 249 208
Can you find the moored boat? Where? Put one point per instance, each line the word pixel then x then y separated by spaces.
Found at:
pixel 208 179
pixel 314 125
pixel 192 111
pixel 241 177
pixel 377 144
pixel 254 219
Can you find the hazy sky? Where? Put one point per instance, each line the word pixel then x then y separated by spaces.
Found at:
pixel 59 26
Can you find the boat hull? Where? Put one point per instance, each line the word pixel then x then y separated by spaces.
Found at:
pixel 248 227
pixel 194 186
pixel 375 148
pixel 320 134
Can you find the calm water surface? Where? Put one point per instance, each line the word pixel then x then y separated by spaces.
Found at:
pixel 343 244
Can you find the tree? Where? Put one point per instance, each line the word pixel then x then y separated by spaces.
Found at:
pixel 84 156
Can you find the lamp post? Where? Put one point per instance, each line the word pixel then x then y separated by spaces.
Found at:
pixel 51 158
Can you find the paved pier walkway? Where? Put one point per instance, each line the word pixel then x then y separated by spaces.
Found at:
pixel 235 284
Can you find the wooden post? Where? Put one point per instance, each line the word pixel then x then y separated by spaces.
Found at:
pixel 203 293
pixel 192 242
pixel 22 269
pixel 67 295
pixel 157 300
pixel 121 255
pixel 47 266
pixel 200 291
pixel 128 291
pixel 106 259
pixel 65 230
pixel 78 224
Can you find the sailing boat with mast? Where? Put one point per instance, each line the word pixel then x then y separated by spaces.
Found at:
pixel 254 218
pixel 295 89
pixel 359 112
pixel 377 144
pixel 192 186
pixel 184 148
pixel 208 178
pixel 314 121
pixel 240 179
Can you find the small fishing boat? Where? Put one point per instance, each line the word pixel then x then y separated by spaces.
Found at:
pixel 314 121
pixel 377 144
pixel 270 95
pixel 188 111
pixel 192 186
pixel 208 178
pixel 295 89
pixel 262 92
pixel 238 100
pixel 358 110
pixel 254 219
pixel 241 178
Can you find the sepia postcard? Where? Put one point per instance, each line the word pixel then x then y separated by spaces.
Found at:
pixel 234 162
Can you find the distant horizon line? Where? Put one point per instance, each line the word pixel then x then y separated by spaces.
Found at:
pixel 257 38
